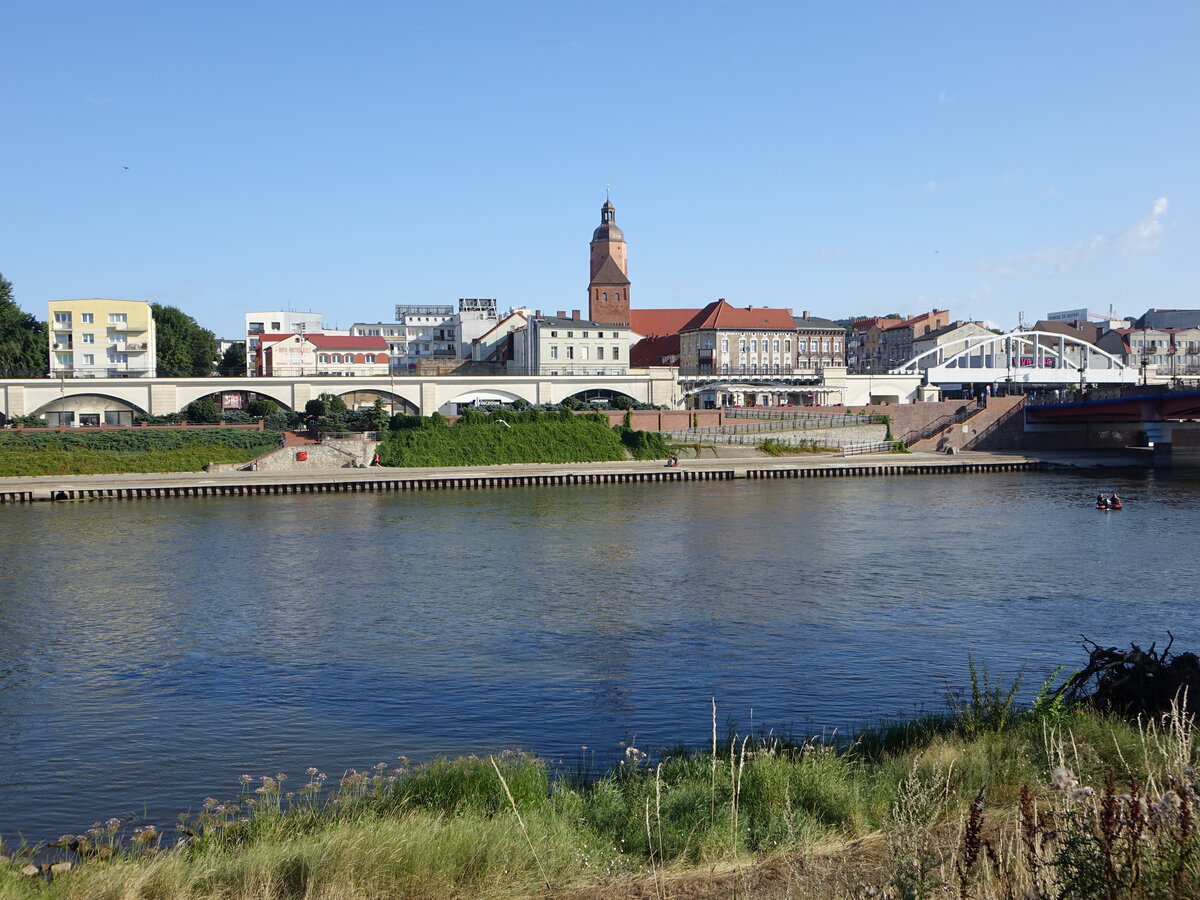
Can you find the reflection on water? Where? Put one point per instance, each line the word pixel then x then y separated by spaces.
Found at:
pixel 151 653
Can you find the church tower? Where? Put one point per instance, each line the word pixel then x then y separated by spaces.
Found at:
pixel 608 290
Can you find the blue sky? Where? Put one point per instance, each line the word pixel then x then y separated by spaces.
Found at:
pixel 842 158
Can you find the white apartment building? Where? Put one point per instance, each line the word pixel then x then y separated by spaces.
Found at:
pixel 431 331
pixel 276 322
pixel 558 345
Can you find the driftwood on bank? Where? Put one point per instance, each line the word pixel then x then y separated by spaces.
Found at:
pixel 1135 682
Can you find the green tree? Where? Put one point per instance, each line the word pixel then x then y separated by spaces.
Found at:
pixel 185 350
pixel 233 362
pixel 261 408
pixel 377 418
pixel 24 347
pixel 203 411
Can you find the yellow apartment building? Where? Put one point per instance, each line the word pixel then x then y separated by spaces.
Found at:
pixel 101 339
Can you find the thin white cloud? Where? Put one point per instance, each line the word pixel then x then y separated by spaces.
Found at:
pixel 945 97
pixel 1143 236
pixel 934 187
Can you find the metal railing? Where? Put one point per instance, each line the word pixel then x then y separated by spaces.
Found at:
pixel 858 448
pixel 941 423
pixel 753 440
pixel 818 420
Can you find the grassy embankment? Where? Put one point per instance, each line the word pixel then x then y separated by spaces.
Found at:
pixel 984 802
pixel 514 436
pixel 55 453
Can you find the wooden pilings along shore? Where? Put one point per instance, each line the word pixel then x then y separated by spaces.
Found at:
pixel 460 482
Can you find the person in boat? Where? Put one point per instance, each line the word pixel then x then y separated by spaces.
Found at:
pixel 1101 503
pixel 1114 501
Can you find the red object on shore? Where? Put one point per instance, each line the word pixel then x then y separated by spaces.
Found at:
pixel 302 455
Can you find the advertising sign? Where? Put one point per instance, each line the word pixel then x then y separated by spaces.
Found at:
pixel 1068 315
pixel 232 400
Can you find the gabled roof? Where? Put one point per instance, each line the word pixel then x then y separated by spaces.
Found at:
pixel 1085 331
pixel 560 322
pixel 330 341
pixel 945 329
pixel 650 322
pixel 609 273
pixel 881 322
pixel 720 315
pixel 816 323
pixel 659 350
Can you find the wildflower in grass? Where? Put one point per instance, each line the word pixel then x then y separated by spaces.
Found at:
pixel 1063 779
pixel 245 780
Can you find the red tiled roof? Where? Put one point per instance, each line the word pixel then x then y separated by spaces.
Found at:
pixel 659 350
pixel 721 315
pixel 331 341
pixel 651 322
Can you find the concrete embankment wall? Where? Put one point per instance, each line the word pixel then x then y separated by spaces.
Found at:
pixel 377 480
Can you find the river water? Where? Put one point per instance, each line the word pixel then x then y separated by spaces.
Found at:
pixel 150 653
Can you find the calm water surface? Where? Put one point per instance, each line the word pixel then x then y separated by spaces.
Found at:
pixel 150 653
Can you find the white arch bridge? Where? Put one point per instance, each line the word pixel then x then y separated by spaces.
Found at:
pixel 412 394
pixel 1024 357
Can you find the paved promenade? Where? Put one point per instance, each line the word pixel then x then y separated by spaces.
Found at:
pixel 381 478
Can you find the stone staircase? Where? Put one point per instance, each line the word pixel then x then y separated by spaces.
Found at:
pixel 987 428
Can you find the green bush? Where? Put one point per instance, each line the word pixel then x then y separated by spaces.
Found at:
pixel 261 408
pixel 480 439
pixel 132 450
pixel 644 444
pixel 203 411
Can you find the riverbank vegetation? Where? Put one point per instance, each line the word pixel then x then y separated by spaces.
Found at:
pixel 133 450
pixel 985 801
pixel 514 436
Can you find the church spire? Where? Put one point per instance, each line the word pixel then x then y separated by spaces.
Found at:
pixel 608 289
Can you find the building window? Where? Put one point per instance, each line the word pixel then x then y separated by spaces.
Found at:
pixel 837 346
pixel 88 338
pixel 62 319
pixel 583 352
pixel 802 347
pixel 115 318
pixel 776 345
pixel 742 345
pixel 554 351
pixel 724 368
pixel 616 352
pixel 724 345
pixel 585 334
pixel 554 334
pixel 604 297
pixel 89 359
pixel 600 354
pixel 570 351
pixel 275 326
pixel 86 318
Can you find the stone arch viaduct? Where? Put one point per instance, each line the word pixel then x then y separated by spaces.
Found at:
pixel 161 396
